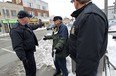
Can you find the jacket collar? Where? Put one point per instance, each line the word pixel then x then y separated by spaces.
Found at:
pixel 77 12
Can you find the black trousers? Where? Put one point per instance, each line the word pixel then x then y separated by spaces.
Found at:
pixel 85 72
pixel 31 69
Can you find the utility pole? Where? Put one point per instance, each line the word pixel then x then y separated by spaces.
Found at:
pixel 106 7
pixel 115 7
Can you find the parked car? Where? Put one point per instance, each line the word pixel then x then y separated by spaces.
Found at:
pixel 50 27
pixel 112 25
pixel 112 29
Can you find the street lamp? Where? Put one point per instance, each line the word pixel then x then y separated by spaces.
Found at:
pixel 114 9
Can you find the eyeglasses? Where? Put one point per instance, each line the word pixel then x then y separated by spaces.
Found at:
pixel 72 1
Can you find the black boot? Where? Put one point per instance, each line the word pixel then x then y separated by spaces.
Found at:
pixel 57 73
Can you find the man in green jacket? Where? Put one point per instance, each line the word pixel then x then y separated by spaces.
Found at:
pixel 59 53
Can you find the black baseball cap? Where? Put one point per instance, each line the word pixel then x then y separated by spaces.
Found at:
pixel 57 18
pixel 22 14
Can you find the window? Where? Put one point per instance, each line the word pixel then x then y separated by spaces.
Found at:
pixel 44 15
pixel 13 13
pixel 39 14
pixel 30 5
pixel 43 7
pixel 38 6
pixel 6 13
pixel 32 13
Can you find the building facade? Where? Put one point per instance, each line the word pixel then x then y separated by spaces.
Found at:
pixel 8 15
pixel 8 11
pixel 37 8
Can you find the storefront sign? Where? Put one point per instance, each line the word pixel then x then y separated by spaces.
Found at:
pixel 9 21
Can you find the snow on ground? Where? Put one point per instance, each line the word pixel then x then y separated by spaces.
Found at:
pixel 43 55
pixel 4 34
pixel 112 49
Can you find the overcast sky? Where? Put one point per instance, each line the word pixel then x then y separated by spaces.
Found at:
pixel 64 8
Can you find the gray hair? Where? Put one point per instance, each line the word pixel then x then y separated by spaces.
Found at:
pixel 83 1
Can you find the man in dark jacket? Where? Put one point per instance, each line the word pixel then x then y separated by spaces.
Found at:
pixel 88 37
pixel 24 41
pixel 59 52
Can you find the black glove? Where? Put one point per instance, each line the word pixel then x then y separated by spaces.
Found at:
pixel 44 38
pixel 57 51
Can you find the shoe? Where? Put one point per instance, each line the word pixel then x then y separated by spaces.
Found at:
pixel 57 73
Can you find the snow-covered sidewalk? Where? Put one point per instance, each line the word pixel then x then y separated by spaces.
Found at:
pixel 43 55
pixel 4 34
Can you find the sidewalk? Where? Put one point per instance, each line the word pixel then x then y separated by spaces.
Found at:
pixel 3 34
pixel 45 71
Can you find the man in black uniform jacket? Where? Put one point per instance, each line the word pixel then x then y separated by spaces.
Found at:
pixel 24 41
pixel 88 37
